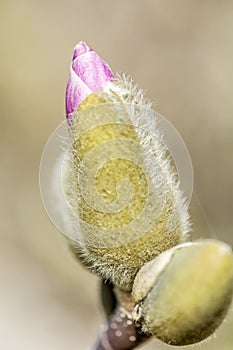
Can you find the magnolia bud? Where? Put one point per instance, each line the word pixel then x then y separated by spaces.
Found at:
pixel 116 190
pixel 118 179
pixel 183 295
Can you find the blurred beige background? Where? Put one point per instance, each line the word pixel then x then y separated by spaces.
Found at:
pixel 181 52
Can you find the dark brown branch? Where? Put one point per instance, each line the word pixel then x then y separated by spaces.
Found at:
pixel 121 332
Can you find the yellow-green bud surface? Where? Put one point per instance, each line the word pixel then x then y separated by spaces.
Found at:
pixel 184 295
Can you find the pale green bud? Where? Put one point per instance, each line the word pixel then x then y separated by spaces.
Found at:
pixel 183 295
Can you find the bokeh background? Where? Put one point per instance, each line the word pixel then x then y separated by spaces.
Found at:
pixel 181 52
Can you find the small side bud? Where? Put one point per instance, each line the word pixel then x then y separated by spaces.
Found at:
pixel 183 295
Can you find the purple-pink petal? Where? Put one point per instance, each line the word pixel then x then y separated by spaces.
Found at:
pixel 88 73
pixel 76 92
pixel 80 49
pixel 93 71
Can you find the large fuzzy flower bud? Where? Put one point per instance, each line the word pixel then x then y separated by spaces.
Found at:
pixel 118 178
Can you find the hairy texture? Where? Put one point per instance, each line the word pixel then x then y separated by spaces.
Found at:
pixel 120 183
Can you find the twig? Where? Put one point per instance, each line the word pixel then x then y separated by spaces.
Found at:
pixel 121 332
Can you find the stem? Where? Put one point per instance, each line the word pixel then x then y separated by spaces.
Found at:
pixel 121 332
